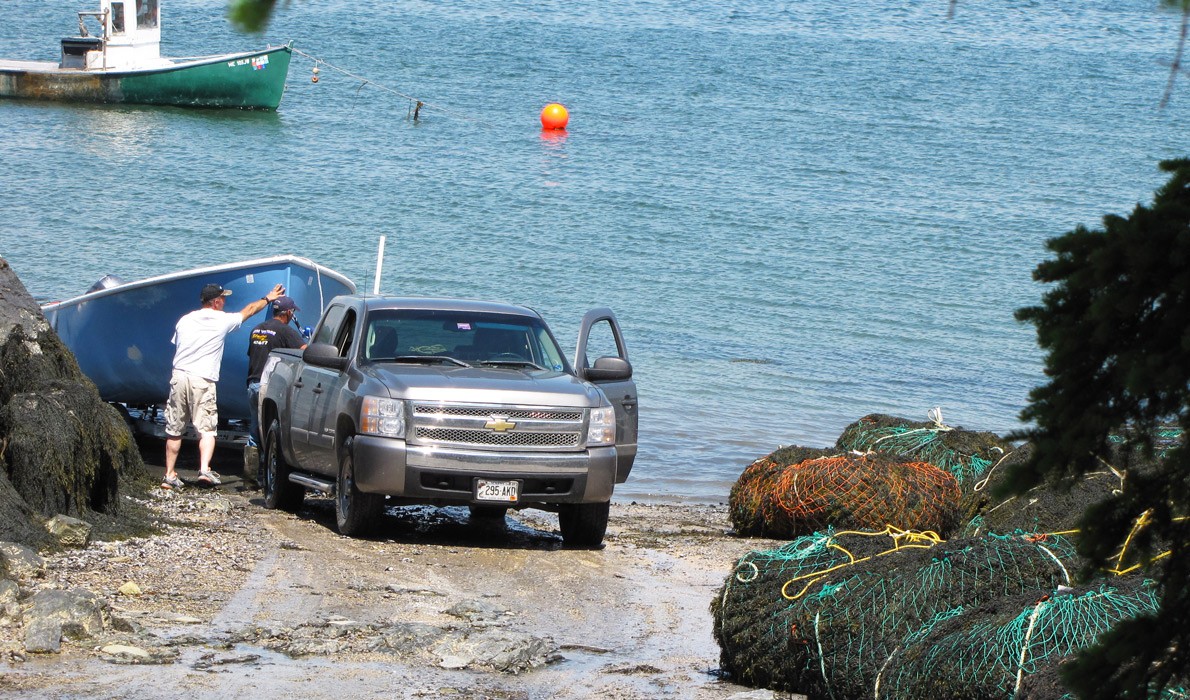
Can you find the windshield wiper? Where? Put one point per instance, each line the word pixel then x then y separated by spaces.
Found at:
pixel 425 360
pixel 511 363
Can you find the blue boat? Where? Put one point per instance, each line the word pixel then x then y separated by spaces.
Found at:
pixel 121 332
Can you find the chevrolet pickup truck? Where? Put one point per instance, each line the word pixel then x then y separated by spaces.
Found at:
pixel 450 402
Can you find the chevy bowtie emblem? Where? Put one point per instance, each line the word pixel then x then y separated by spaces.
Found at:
pixel 499 424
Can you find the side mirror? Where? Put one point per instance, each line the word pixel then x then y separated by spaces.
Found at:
pixel 324 355
pixel 609 369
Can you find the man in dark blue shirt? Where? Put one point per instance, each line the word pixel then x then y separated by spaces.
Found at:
pixel 270 335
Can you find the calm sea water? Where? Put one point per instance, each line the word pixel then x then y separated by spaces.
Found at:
pixel 801 212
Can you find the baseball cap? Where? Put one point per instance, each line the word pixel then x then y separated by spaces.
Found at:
pixel 282 304
pixel 212 292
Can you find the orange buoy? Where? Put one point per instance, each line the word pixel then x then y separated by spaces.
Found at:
pixel 554 116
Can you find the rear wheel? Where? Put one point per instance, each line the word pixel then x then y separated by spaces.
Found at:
pixel 279 491
pixel 583 524
pixel 355 512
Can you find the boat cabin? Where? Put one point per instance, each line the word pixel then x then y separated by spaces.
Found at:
pixel 122 34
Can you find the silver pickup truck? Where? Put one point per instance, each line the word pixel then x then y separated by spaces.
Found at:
pixel 449 402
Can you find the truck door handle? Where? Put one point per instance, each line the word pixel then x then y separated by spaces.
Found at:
pixel 297 384
pixel 317 389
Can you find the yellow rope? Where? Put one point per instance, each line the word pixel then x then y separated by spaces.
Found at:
pixel 915 540
pixel 907 539
pixel 1142 522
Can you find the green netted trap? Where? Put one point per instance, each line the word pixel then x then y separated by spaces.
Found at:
pixel 861 609
pixel 1125 445
pixel 824 614
pixel 856 491
pixel 1046 508
pixel 1001 648
pixel 964 453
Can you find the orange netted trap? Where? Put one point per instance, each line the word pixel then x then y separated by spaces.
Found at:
pixel 843 491
pixel 748 494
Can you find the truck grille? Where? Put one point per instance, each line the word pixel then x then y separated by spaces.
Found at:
pixel 498 427
pixel 487 437
pixel 421 409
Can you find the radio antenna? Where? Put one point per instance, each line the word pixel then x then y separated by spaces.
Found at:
pixel 379 266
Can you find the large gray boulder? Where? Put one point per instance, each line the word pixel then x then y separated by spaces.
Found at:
pixel 10 606
pixel 54 613
pixel 68 531
pixel 19 562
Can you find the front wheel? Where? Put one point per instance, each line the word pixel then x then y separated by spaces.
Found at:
pixel 279 491
pixel 583 524
pixel 355 512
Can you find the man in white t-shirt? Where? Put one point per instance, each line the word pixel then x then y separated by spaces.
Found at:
pixel 199 338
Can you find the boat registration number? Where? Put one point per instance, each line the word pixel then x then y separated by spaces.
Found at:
pixel 500 491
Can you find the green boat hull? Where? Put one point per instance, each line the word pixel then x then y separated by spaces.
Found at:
pixel 253 80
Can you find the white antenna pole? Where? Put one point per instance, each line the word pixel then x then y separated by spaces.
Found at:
pixel 379 267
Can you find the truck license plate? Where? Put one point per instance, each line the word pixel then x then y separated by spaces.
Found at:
pixel 502 491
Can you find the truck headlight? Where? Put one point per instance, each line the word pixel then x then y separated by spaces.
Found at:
pixel 381 416
pixel 602 428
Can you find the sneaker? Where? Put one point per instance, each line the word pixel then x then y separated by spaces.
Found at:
pixel 209 477
pixel 172 482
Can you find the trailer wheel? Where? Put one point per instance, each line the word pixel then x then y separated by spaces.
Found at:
pixel 355 512
pixel 583 525
pixel 279 491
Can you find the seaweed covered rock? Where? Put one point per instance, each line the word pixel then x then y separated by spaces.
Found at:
pixel 826 613
pixel 59 470
pixel 861 491
pixel 62 449
pixel 963 453
pixel 751 509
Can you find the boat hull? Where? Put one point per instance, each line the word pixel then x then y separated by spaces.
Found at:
pixel 122 336
pixel 254 80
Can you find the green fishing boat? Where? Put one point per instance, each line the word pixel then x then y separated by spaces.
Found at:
pixel 122 63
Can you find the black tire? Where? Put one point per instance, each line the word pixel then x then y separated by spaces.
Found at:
pixel 583 524
pixel 279 491
pixel 487 513
pixel 355 512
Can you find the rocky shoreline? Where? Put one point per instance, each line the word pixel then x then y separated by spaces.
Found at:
pixel 479 609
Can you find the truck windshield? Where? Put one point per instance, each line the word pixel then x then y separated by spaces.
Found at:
pixel 505 340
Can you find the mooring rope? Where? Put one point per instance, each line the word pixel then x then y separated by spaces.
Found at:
pixel 1020 667
pixel 416 104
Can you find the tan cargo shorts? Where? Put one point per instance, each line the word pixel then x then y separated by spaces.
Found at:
pixel 191 399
